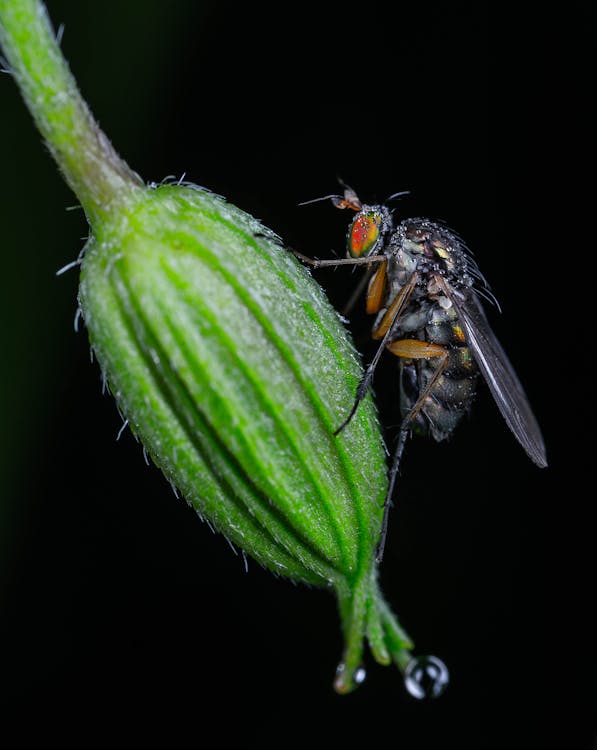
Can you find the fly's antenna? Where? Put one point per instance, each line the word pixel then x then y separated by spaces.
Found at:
pixel 333 198
pixel 349 200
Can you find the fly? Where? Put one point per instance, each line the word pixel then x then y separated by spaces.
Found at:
pixel 424 288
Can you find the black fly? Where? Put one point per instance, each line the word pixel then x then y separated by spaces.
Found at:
pixel 425 291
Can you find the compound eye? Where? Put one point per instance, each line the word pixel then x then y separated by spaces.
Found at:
pixel 364 233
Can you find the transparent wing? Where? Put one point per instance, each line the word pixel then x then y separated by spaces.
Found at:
pixel 499 374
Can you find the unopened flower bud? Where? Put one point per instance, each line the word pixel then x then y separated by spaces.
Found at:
pixel 233 370
pixel 225 358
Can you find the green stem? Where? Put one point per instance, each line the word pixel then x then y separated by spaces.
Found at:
pixel 397 641
pixel 366 615
pixel 352 602
pixel 94 171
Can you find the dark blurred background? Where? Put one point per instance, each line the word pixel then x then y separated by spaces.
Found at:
pixel 116 602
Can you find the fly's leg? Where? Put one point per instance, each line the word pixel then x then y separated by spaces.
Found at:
pixel 384 331
pixel 376 290
pixel 316 263
pixel 409 349
pixel 367 260
pixel 372 277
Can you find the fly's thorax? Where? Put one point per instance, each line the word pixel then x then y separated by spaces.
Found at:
pixel 430 249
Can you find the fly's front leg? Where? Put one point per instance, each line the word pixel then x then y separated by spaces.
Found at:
pixel 376 290
pixel 375 281
pixel 316 263
pixel 375 277
pixel 409 349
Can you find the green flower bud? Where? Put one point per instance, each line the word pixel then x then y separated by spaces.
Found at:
pixel 226 359
pixel 233 370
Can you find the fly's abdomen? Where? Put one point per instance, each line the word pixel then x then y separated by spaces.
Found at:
pixel 453 392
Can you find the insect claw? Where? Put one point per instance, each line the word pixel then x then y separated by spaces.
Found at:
pixel 342 426
pixel 361 391
pixel 353 411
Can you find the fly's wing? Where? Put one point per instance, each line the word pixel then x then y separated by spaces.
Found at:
pixel 499 374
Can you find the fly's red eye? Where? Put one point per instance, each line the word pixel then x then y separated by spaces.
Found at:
pixel 364 233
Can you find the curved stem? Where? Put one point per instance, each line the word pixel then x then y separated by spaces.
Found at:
pixel 92 168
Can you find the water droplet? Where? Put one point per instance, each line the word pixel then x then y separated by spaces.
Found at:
pixel 342 683
pixel 339 682
pixel 426 677
pixel 360 675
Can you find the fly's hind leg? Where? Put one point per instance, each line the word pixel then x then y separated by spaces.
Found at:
pixel 409 349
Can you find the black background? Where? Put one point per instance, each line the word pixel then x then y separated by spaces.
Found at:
pixel 117 603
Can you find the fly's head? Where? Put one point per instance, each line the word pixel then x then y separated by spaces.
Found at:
pixel 368 230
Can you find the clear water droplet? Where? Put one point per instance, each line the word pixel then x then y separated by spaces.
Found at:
pixel 344 685
pixel 360 675
pixel 339 682
pixel 426 677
